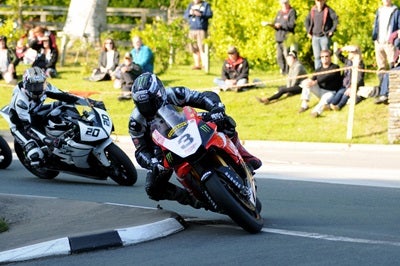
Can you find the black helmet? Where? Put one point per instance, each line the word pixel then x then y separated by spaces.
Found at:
pixel 34 82
pixel 148 94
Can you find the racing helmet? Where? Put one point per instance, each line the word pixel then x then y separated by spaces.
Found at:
pixel 34 82
pixel 148 94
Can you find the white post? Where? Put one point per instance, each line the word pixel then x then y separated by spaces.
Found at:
pixel 206 58
pixel 354 78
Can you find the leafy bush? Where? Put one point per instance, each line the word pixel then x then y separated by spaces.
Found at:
pixel 168 42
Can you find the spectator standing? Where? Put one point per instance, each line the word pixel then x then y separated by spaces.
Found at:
pixel 125 75
pixel 235 70
pixel 197 14
pixel 142 55
pixel 47 58
pixel 292 87
pixel 320 23
pixel 383 95
pixel 284 23
pixel 8 62
pixel 108 61
pixel 343 94
pixel 322 84
pixel 386 22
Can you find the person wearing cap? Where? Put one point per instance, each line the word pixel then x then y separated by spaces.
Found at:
pixel 324 83
pixel 8 62
pixel 124 76
pixel 341 97
pixel 235 70
pixel 284 24
pixel 321 22
pixel 295 76
pixel 197 15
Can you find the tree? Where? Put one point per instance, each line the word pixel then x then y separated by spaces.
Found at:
pixel 86 19
pixel 238 23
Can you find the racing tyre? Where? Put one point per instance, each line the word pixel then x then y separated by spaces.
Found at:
pixel 231 204
pixel 5 154
pixel 122 170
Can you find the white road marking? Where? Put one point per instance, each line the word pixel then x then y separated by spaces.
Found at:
pixel 329 237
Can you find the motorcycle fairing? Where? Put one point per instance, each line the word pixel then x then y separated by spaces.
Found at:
pixel 183 145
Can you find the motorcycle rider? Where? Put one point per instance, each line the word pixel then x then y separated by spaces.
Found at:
pixel 149 94
pixel 27 106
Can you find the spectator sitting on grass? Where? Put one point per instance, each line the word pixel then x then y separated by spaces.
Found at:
pixel 343 94
pixel 292 87
pixel 235 70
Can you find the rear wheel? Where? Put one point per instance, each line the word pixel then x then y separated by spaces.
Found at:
pixel 234 205
pixel 5 154
pixel 39 172
pixel 122 170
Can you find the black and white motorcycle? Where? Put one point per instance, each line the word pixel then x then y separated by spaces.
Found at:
pixel 85 149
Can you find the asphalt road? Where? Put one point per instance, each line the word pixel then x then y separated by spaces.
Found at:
pixel 348 215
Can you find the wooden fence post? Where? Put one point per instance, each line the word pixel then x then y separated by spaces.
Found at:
pixel 354 77
pixel 394 107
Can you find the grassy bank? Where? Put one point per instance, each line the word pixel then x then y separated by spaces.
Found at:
pixel 276 121
pixel 3 225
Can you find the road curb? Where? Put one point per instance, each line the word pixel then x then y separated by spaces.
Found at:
pixel 102 240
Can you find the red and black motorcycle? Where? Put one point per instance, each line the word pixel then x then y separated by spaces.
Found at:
pixel 208 165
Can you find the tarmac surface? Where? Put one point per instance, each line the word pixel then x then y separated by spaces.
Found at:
pixel 36 230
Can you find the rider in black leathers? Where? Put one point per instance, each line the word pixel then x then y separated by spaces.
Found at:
pixel 149 95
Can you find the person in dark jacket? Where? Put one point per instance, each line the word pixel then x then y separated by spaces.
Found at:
pixel 235 70
pixel 197 14
pixel 343 94
pixel 324 84
pixel 47 58
pixel 284 24
pixel 321 22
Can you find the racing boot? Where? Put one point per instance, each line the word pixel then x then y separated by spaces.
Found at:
pixel 182 196
pixel 250 160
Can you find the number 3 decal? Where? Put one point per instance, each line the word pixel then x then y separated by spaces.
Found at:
pixel 185 140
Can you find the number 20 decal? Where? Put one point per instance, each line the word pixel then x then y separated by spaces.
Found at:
pixel 94 132
pixel 185 140
pixel 106 120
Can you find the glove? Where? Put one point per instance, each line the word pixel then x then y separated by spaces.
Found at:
pixel 216 114
pixel 156 167
pixel 98 104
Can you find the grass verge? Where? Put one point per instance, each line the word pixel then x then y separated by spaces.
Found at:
pixel 3 225
pixel 278 121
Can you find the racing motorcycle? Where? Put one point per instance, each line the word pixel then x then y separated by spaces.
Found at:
pixel 207 164
pixel 5 154
pixel 85 145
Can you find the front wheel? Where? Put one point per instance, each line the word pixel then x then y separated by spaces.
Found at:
pixel 122 170
pixel 5 154
pixel 227 200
